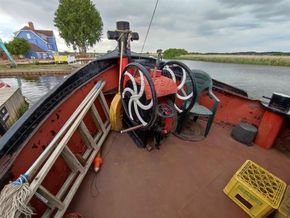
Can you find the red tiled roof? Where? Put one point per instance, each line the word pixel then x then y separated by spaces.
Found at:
pixel 26 28
pixel 45 32
pixel 48 33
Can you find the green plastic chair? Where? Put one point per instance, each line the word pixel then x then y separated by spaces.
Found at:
pixel 204 83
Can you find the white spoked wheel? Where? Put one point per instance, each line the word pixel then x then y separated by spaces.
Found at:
pixel 185 81
pixel 139 108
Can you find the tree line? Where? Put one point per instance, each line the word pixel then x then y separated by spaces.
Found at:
pixel 176 52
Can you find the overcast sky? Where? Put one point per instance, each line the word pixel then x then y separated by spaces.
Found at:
pixel 195 25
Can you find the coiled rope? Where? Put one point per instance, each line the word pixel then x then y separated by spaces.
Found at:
pixel 13 198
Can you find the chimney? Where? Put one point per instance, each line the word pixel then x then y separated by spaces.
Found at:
pixel 31 26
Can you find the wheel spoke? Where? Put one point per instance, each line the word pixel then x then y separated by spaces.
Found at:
pixel 144 107
pixel 171 73
pixel 128 90
pixel 183 91
pixel 132 80
pixel 138 114
pixel 183 79
pixel 184 98
pixel 130 108
pixel 177 108
pixel 142 85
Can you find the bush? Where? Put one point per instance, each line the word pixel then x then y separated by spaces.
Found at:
pixel 174 52
pixel 18 46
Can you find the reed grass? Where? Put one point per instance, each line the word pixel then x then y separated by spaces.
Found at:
pixel 240 59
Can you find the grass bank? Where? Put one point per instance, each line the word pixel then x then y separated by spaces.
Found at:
pixel 241 59
pixel 36 69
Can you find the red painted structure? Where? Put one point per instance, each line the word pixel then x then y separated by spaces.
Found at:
pixel 235 108
pixel 163 86
pixel 269 129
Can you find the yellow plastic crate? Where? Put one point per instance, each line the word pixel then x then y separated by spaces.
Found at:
pixel 284 208
pixel 255 190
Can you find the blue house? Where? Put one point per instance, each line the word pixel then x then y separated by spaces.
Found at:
pixel 42 42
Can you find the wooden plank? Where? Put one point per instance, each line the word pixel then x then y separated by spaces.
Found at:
pixel 61 193
pixel 104 105
pixel 107 123
pixel 79 179
pixel 87 153
pixel 72 176
pixel 97 123
pixel 52 201
pixel 98 118
pixel 44 155
pixel 97 137
pixel 71 160
pixel 86 135
pixel 57 151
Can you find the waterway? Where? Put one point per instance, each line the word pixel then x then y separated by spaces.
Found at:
pixel 257 80
pixel 34 88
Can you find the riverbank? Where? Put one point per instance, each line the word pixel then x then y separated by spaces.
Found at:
pixel 37 69
pixel 240 59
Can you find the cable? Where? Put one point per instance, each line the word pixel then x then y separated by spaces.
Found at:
pixel 94 190
pixel 149 25
pixel 94 185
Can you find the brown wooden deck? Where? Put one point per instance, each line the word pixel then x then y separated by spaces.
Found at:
pixel 182 179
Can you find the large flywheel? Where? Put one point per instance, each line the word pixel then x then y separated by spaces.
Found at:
pixel 186 85
pixel 138 95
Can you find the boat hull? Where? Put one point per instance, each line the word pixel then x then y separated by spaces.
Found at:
pixel 28 138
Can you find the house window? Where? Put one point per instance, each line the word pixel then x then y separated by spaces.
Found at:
pixel 28 36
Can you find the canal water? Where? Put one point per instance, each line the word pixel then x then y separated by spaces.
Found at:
pixel 255 79
pixel 33 88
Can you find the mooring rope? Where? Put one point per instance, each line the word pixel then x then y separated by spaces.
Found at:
pixel 149 25
pixel 13 197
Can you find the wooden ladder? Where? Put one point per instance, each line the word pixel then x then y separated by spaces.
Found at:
pixel 57 204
